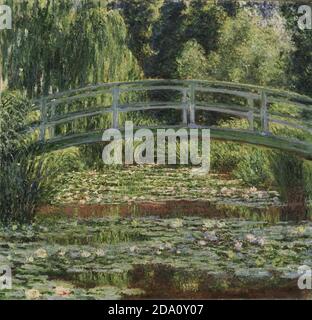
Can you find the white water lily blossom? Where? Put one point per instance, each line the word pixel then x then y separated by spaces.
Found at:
pixel 62 253
pixel 100 253
pixel 212 224
pixel 211 236
pixel 133 249
pixel 41 253
pixel 62 292
pixel 202 243
pixel 251 238
pixel 85 254
pixel 176 223
pixel 30 259
pixel 254 240
pixel 261 242
pixel 238 246
pixel 32 294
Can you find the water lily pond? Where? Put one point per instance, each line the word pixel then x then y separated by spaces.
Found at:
pixel 153 257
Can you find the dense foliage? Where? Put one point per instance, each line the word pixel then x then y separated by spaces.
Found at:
pixel 56 46
pixel 21 176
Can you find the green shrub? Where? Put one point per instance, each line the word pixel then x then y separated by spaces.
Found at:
pixel 225 156
pixel 21 184
pixel 68 160
pixel 293 177
pixel 288 173
pixel 21 172
pixel 254 168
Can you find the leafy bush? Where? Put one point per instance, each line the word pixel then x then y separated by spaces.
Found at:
pixel 251 51
pixel 13 109
pixel 192 63
pixel 254 168
pixel 68 160
pixel 21 184
pixel 294 180
pixel 225 156
pixel 21 173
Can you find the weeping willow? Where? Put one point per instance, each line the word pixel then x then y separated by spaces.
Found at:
pixel 58 45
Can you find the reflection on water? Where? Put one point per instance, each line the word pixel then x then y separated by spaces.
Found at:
pixel 157 257
pixel 166 282
pixel 179 208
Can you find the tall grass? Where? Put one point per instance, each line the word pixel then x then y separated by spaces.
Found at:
pixel 21 172
pixel 293 177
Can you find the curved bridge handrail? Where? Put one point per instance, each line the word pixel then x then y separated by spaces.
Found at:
pixel 256 104
pixel 150 82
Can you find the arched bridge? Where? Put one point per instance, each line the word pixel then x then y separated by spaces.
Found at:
pixel 270 118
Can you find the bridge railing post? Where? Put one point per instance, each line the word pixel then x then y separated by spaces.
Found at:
pixel 185 107
pixel 264 113
pixel 52 129
pixel 43 115
pixel 251 105
pixel 192 104
pixel 115 104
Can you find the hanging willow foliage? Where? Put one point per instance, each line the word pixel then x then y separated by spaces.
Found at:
pixel 57 45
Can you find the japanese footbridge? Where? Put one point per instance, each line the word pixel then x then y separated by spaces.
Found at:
pixel 273 118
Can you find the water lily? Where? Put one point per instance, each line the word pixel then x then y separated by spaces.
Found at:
pixel 161 247
pixel 32 294
pixel 133 249
pixel 254 240
pixel 176 223
pixel 251 238
pixel 238 246
pixel 85 254
pixel 62 292
pixel 62 253
pixel 202 243
pixel 227 192
pixel 261 242
pixel 100 253
pixel 212 224
pixel 41 253
pixel 246 196
pixel 220 224
pixel 208 224
pixel 231 254
pixel 224 190
pixel 30 259
pixel 168 246
pixel 134 223
pixel 211 236
pixel 300 230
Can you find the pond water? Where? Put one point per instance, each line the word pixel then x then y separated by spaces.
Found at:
pixel 155 257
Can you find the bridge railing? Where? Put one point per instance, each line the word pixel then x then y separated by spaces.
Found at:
pixel 264 110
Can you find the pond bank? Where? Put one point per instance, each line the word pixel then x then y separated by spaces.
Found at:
pixel 172 208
